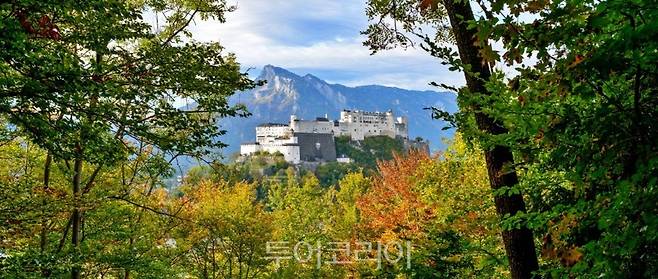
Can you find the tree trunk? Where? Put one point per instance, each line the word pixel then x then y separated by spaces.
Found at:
pixel 43 241
pixel 519 243
pixel 75 231
pixel 126 274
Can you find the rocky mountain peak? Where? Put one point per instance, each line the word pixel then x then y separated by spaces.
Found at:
pixel 270 72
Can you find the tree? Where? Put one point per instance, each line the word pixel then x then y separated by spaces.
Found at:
pixel 83 79
pixel 392 202
pixel 519 242
pixel 121 225
pixel 302 212
pixel 331 173
pixel 465 219
pixel 229 232
pixel 581 116
pixel 443 205
pixel 347 216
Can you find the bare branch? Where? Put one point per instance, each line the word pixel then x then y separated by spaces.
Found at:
pixel 150 208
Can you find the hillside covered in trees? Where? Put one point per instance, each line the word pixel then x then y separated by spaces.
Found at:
pixel 552 172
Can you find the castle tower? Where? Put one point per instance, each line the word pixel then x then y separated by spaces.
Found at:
pixel 293 122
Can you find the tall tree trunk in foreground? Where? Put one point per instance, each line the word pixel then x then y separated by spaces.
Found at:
pixel 43 236
pixel 519 243
pixel 76 216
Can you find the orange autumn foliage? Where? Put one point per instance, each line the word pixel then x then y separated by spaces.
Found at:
pixel 392 208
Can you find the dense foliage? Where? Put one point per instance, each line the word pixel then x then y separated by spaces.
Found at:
pixel 365 153
pixel 573 84
pixel 91 87
pixel 582 119
pixel 216 226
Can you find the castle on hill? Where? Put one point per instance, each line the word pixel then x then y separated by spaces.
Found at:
pixel 313 140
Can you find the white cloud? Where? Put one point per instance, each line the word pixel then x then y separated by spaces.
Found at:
pixel 319 36
pixel 403 80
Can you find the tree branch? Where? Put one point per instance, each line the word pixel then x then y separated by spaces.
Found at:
pixel 149 208
pixel 187 23
pixel 66 232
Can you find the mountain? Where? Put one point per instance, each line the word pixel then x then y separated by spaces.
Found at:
pixel 308 97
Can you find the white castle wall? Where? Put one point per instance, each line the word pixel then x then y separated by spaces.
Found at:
pixel 310 126
pixel 290 151
pixel 361 124
pixel 249 148
pixel 269 133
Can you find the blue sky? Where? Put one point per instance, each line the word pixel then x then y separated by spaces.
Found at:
pixel 321 38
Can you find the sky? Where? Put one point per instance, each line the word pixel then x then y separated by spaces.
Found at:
pixel 322 38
